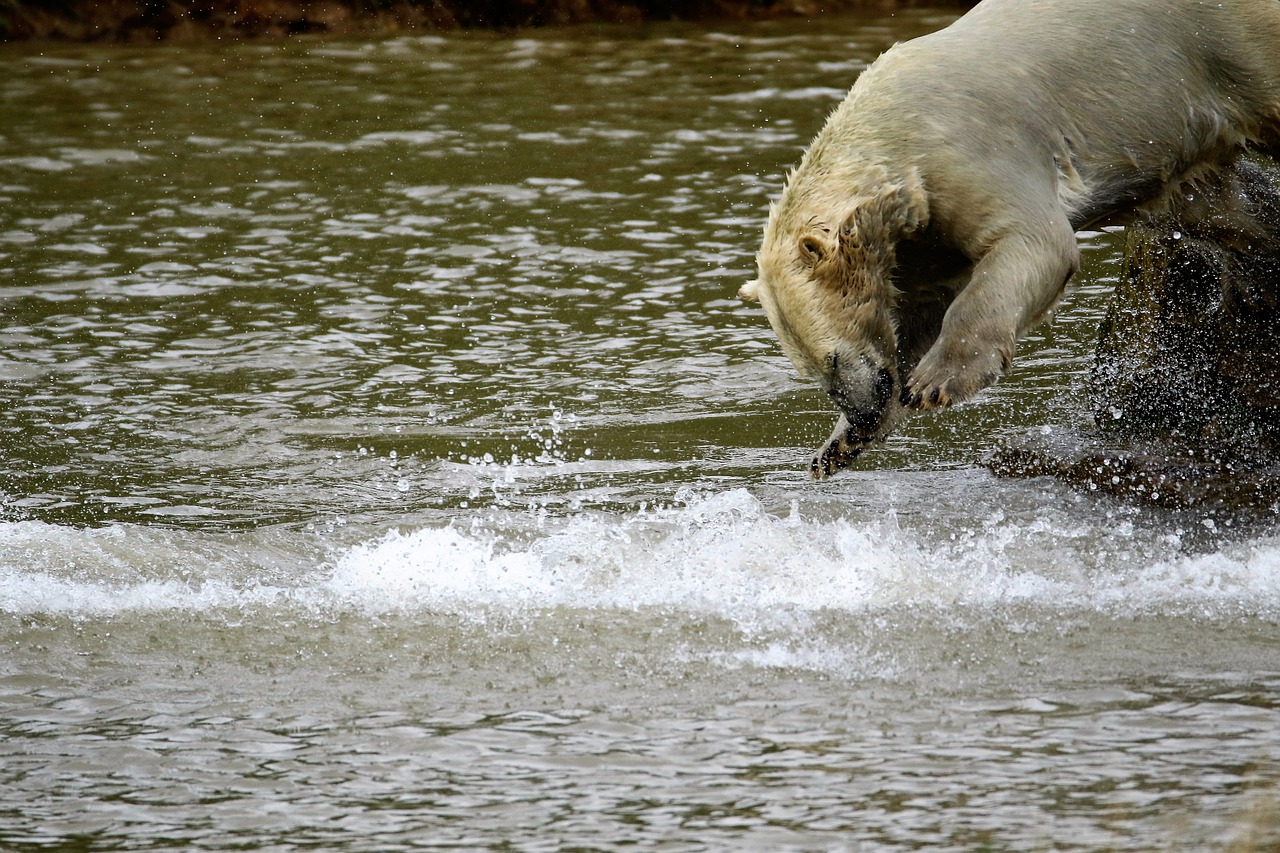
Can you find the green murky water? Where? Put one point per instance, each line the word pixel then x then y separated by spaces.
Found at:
pixel 386 463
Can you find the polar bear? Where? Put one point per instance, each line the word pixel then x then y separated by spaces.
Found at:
pixel 932 221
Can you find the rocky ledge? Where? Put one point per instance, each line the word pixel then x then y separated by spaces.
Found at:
pixel 196 20
pixel 1186 380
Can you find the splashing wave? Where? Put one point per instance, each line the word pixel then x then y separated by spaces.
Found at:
pixel 720 554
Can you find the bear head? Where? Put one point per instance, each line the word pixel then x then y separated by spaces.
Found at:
pixel 826 283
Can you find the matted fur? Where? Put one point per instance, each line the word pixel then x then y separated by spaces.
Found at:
pixel 932 221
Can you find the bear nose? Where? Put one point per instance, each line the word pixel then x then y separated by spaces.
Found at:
pixel 861 394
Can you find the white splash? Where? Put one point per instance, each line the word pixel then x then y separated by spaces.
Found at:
pixel 725 554
pixel 722 554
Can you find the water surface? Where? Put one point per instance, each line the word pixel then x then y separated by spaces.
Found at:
pixel 386 463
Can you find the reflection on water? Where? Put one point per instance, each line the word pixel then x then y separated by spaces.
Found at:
pixel 387 462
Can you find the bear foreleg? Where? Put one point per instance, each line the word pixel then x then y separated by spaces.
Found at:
pixel 1014 284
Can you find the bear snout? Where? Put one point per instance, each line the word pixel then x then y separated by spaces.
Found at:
pixel 861 391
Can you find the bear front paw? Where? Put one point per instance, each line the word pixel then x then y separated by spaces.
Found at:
pixel 839 451
pixel 940 382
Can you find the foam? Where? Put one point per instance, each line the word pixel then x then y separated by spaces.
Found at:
pixel 719 554
pixel 724 554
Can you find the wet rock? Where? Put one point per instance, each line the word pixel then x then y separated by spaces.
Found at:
pixel 1186 382
pixel 1190 347
pixel 191 20
pixel 1148 471
pixel 145 21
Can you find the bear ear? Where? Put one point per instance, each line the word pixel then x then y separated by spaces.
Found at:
pixel 750 291
pixel 875 225
pixel 903 206
pixel 811 249
pixel 914 201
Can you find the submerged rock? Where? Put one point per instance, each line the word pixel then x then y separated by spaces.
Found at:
pixel 1150 471
pixel 1186 381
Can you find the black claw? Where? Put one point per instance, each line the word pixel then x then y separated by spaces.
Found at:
pixel 934 396
pixel 835 456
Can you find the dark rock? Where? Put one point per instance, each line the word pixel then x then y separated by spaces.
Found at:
pixel 1190 348
pixel 1144 471
pixel 189 20
pixel 1186 382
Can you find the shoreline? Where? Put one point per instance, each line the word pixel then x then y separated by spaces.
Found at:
pixel 142 21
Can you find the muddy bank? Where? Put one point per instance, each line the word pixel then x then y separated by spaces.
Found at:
pixel 196 20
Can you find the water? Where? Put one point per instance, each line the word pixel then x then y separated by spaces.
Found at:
pixel 388 464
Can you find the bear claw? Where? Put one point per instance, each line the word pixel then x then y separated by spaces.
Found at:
pixel 929 398
pixel 832 458
pixel 839 452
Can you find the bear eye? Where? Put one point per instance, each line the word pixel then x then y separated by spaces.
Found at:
pixel 812 249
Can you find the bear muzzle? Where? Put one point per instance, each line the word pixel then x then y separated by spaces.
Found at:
pixel 862 391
